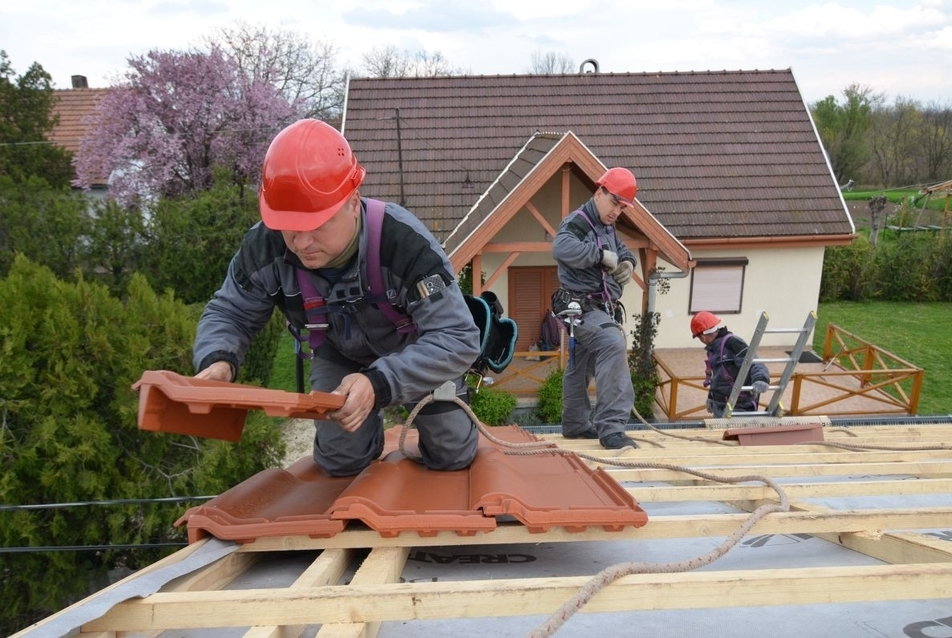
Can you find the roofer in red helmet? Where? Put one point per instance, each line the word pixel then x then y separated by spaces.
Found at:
pixel 594 265
pixel 308 258
pixel 725 355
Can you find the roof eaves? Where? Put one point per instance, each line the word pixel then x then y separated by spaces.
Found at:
pixel 498 182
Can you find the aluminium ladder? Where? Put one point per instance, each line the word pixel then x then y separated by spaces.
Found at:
pixel 773 407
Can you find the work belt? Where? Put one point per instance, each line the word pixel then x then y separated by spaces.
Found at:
pixel 562 297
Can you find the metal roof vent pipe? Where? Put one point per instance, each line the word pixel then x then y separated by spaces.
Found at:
pixel 592 61
pixel 79 82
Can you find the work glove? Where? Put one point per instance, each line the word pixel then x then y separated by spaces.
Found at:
pixel 622 274
pixel 760 387
pixel 609 260
pixel 710 406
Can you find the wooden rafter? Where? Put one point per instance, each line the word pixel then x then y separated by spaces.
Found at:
pixel 917 566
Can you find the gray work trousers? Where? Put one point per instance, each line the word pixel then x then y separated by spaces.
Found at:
pixel 447 436
pixel 600 354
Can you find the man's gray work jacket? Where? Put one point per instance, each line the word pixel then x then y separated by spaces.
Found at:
pixel 578 247
pixel 401 367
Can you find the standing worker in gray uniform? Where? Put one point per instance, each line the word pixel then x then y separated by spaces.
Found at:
pixel 594 265
pixel 308 258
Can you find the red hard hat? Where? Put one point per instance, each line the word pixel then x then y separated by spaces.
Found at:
pixel 309 172
pixel 703 322
pixel 621 183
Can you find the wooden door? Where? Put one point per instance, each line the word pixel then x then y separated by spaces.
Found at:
pixel 530 295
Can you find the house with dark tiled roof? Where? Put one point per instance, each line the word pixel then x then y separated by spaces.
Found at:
pixel 736 203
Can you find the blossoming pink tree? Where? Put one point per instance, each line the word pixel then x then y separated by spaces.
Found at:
pixel 177 117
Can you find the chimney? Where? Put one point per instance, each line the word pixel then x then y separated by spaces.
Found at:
pixel 79 82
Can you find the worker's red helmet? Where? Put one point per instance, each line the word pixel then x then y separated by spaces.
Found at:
pixel 621 183
pixel 704 322
pixel 309 173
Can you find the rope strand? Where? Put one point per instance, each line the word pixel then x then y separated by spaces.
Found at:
pixel 614 572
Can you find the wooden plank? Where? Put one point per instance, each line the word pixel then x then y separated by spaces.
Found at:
pixel 681 526
pixel 160 564
pixel 928 469
pixel 719 492
pixel 216 576
pixel 896 435
pixel 326 569
pixel 383 565
pixel 895 547
pixel 517 597
pixel 890 547
pixel 770 455
pixel 921 564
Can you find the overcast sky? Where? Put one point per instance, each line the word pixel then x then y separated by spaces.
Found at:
pixel 895 47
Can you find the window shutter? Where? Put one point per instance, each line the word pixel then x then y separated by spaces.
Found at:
pixel 717 287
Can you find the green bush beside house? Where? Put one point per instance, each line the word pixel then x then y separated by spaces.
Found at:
pixel 70 354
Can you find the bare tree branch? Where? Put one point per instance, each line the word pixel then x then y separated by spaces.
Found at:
pixel 551 63
pixel 303 71
pixel 389 62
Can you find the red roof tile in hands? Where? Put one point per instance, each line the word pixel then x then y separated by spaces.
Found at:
pixel 170 402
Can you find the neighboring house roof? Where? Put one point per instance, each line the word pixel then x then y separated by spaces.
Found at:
pixel 726 154
pixel 72 106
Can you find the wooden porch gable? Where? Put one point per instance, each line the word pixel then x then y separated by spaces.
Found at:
pixel 544 156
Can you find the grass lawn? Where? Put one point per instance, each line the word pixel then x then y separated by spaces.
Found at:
pixel 283 376
pixel 905 208
pixel 897 196
pixel 919 333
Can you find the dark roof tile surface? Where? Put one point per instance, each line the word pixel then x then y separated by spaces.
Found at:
pixel 707 147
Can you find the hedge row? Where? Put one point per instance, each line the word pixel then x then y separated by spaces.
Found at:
pixel 911 267
pixel 69 354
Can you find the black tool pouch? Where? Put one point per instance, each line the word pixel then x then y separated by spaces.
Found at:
pixel 561 299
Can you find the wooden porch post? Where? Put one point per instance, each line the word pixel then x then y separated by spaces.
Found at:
pixel 477 274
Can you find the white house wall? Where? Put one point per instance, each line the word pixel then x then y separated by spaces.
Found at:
pixel 783 282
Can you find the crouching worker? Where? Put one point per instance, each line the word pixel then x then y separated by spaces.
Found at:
pixel 725 356
pixel 308 258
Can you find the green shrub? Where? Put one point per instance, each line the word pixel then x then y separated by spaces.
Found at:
pixel 915 266
pixel 641 363
pixel 191 240
pixel 44 224
pixel 259 360
pixel 115 244
pixel 846 271
pixel 549 408
pixel 69 354
pixel 906 268
pixel 491 406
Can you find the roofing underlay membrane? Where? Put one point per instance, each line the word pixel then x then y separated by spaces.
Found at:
pixel 451 524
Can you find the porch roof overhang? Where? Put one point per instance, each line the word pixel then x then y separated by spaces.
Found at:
pixel 544 156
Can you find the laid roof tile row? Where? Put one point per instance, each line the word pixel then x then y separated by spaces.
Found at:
pixel 542 488
pixel 396 495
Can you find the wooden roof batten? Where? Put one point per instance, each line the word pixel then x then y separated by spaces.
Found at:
pixel 883 510
pixel 567 155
